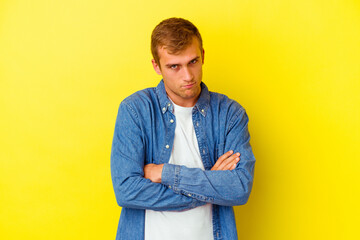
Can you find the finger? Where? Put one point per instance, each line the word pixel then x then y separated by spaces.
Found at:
pixel 231 165
pixel 221 159
pixel 234 166
pixel 226 162
pixel 229 162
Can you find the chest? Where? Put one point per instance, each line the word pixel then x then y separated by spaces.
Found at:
pixel 159 136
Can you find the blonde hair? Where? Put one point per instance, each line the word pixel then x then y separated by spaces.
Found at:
pixel 174 34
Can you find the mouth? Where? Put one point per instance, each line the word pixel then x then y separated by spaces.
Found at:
pixel 189 85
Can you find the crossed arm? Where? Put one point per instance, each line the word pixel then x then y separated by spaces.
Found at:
pixel 227 161
pixel 137 185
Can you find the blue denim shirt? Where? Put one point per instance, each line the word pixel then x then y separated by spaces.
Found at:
pixel 144 133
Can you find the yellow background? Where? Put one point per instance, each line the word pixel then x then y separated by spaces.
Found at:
pixel 66 65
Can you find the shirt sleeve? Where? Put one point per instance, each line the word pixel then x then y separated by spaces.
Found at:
pixel 131 189
pixel 227 187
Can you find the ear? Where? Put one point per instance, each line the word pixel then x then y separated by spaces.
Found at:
pixel 203 55
pixel 156 66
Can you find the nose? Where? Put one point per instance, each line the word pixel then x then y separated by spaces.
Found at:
pixel 187 74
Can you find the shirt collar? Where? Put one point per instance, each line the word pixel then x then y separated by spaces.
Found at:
pixel 201 105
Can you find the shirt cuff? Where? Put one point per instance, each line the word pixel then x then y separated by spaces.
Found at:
pixel 170 176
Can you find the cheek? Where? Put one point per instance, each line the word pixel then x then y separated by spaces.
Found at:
pixel 198 69
pixel 170 79
pixel 198 73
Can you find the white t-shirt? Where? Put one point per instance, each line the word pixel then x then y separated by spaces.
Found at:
pixel 193 224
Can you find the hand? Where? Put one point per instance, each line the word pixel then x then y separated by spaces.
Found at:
pixel 153 172
pixel 227 161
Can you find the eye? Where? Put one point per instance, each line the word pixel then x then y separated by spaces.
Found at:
pixel 174 66
pixel 194 61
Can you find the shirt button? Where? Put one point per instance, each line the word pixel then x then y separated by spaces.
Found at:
pixel 189 195
pixel 170 187
pixel 169 104
pixel 164 109
pixel 197 124
pixel 167 146
pixel 202 110
pixel 171 120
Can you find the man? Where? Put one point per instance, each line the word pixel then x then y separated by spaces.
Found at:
pixel 175 160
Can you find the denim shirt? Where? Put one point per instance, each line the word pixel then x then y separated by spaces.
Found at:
pixel 144 133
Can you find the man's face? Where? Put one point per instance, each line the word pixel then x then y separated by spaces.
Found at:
pixel 182 73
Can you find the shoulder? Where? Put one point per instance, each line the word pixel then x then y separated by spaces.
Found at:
pixel 135 110
pixel 139 103
pixel 224 103
pixel 141 100
pixel 228 111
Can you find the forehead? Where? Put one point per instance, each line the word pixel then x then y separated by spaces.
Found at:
pixel 190 52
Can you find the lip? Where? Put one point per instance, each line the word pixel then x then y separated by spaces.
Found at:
pixel 189 85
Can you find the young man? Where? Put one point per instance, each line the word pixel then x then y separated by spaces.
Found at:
pixel 175 160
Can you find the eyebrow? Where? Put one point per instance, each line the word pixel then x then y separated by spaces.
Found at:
pixel 171 64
